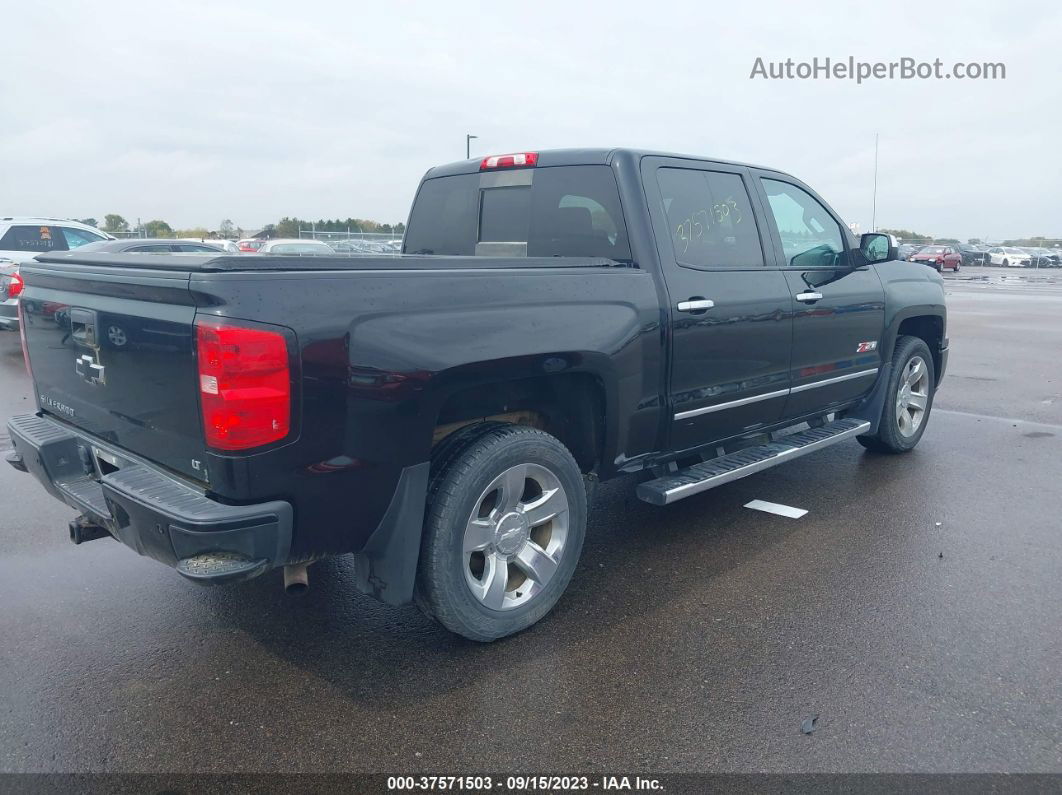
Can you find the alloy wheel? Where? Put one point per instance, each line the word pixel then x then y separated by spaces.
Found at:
pixel 912 397
pixel 515 538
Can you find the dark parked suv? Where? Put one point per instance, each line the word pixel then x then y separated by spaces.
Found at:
pixel 973 255
pixel 557 319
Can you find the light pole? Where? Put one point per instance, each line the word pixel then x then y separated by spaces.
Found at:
pixel 468 145
pixel 874 210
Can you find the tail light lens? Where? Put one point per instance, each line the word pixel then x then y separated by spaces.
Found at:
pixel 10 285
pixel 14 288
pixel 244 385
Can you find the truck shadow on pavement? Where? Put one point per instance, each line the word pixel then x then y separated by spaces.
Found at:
pixel 642 574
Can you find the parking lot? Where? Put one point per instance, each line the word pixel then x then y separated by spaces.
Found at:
pixel 915 610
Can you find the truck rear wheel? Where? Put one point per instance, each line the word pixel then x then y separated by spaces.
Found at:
pixel 908 400
pixel 504 528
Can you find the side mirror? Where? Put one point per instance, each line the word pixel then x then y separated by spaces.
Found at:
pixel 876 247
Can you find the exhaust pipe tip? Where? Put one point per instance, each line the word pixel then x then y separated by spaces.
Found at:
pixel 296 579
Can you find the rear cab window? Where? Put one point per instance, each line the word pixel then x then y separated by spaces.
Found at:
pixel 558 211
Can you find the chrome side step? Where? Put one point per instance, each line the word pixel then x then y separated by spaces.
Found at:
pixel 701 477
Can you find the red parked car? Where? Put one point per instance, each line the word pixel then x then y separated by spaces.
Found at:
pixel 250 244
pixel 939 257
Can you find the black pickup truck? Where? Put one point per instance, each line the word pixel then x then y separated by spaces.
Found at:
pixel 555 319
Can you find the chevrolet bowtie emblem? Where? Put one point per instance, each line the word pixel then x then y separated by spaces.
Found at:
pixel 90 370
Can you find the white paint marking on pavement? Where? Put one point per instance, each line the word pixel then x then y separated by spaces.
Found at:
pixel 773 507
pixel 1012 420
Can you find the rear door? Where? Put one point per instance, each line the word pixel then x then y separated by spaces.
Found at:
pixel 838 304
pixel 729 308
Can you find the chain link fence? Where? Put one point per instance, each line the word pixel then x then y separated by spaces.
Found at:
pixel 349 234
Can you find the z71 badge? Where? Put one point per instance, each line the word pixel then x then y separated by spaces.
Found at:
pixel 866 347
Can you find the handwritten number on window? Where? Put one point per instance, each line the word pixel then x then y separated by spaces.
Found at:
pixel 692 230
pixel 683 236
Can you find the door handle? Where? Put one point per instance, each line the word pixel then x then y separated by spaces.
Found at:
pixel 809 297
pixel 695 305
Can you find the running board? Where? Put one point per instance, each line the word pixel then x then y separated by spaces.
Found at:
pixel 701 477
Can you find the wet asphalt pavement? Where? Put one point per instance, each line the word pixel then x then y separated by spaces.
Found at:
pixel 696 637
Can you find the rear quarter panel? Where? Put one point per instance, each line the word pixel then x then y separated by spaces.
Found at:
pixel 381 351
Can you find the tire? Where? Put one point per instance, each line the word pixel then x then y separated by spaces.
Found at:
pixel 1006 263
pixel 493 561
pixel 902 421
pixel 957 266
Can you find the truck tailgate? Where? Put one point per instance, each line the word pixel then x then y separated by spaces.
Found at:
pixel 112 353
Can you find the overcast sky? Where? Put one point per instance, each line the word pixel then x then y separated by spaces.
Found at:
pixel 196 112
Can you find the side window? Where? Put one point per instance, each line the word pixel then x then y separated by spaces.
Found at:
pixel 76 238
pixel 810 236
pixel 38 239
pixel 710 219
pixel 198 248
pixel 154 249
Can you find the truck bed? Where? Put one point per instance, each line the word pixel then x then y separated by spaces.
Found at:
pixel 377 346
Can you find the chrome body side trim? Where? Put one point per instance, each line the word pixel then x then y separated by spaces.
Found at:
pixel 684 415
pixel 836 380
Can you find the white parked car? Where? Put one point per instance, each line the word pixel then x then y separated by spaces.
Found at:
pixel 10 287
pixel 1009 257
pixel 22 239
pixel 293 246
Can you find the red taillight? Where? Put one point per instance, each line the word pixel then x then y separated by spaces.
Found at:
pixel 244 385
pixel 14 287
pixel 517 160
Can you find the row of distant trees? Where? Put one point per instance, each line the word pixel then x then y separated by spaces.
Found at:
pixel 289 227
pixel 286 227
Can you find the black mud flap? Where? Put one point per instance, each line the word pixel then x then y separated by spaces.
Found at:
pixel 387 566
